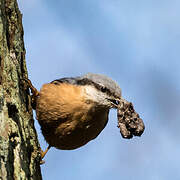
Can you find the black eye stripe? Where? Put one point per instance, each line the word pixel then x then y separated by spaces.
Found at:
pixel 97 86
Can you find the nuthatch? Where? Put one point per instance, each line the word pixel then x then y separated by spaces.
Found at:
pixel 73 111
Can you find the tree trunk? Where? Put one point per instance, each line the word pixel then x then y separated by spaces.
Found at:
pixel 19 147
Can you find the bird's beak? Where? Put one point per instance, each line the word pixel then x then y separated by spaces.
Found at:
pixel 115 102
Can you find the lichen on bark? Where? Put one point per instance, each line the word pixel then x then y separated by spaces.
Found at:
pixel 19 147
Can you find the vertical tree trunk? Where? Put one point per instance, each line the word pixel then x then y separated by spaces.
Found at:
pixel 19 148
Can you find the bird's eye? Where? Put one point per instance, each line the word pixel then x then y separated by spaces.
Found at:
pixel 103 89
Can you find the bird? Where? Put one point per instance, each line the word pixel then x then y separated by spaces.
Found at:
pixel 74 110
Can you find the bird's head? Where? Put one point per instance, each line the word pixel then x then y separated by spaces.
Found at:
pixel 100 89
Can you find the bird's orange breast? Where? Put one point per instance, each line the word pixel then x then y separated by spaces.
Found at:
pixel 68 120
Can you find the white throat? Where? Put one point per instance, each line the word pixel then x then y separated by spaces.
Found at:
pixel 96 95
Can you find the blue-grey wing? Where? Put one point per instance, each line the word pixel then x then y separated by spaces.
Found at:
pixel 69 80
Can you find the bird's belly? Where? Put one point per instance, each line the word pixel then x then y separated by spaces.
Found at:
pixel 75 133
pixel 67 119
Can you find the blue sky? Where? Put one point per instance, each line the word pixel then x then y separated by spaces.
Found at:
pixel 136 43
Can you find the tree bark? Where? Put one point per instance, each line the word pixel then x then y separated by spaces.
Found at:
pixel 19 147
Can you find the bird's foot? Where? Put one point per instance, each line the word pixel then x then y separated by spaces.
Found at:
pixel 34 91
pixel 43 153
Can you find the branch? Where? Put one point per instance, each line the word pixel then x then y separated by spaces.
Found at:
pixel 19 147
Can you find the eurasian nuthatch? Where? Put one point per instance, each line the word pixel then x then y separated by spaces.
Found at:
pixel 73 111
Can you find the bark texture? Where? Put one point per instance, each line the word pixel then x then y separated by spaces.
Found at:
pixel 19 147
